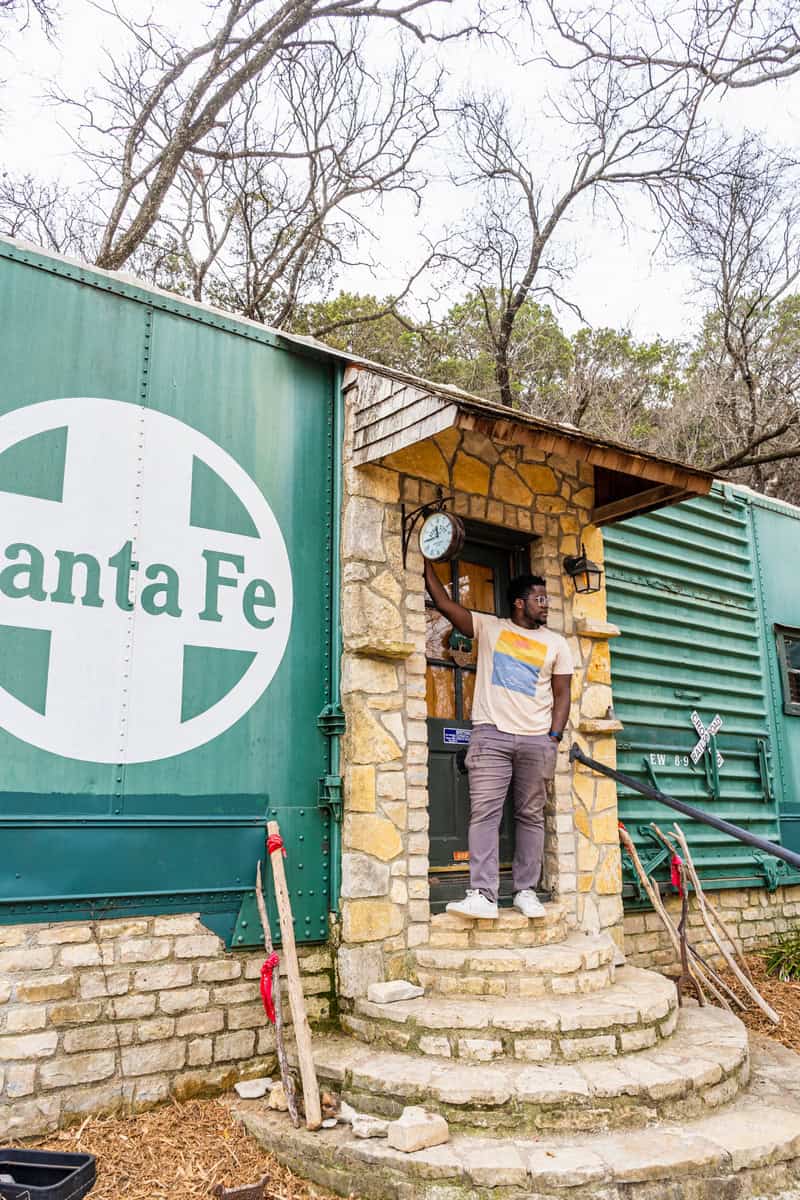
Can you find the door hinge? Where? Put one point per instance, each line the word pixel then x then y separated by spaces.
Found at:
pixel 764 769
pixel 330 795
pixel 332 720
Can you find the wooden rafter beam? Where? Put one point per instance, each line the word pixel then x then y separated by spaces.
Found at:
pixel 639 502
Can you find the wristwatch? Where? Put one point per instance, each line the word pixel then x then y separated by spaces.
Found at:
pixel 556 736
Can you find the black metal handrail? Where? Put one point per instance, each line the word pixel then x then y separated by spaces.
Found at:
pixel 688 810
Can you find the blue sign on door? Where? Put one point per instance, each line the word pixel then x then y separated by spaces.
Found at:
pixel 456 737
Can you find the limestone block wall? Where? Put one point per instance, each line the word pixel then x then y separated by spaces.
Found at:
pixel 755 916
pixel 385 894
pixel 122 1014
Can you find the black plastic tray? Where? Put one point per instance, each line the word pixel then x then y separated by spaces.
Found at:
pixel 46 1175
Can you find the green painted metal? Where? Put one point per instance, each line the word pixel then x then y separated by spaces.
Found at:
pixel 776 541
pixel 683 589
pixel 332 717
pixel 88 833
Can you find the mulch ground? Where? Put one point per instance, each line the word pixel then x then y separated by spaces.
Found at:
pixel 784 997
pixel 183 1151
pixel 177 1152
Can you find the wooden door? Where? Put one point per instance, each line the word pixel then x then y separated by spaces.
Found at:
pixel 478 579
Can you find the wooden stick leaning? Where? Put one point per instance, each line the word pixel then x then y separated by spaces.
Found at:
pixel 716 983
pixel 731 939
pixel 726 954
pixel 654 897
pixel 302 1032
pixel 286 1077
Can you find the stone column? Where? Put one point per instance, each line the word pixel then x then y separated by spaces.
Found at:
pixel 385 908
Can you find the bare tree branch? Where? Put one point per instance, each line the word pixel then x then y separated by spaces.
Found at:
pixel 23 12
pixel 616 137
pixel 741 232
pixel 719 44
pixel 164 102
pixel 256 232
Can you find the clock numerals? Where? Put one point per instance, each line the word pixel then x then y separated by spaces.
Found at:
pixel 441 536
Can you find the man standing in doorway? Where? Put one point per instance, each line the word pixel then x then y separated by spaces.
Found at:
pixel 519 711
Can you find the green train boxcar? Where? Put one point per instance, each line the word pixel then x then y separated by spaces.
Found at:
pixel 705 596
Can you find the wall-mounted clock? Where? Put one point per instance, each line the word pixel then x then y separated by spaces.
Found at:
pixel 441 536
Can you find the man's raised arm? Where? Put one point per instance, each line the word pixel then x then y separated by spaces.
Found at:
pixel 458 616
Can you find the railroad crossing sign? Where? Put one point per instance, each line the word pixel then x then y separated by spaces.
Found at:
pixel 705 735
pixel 151 619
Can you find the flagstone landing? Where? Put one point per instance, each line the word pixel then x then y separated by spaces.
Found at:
pixel 748 1149
pixel 558 1075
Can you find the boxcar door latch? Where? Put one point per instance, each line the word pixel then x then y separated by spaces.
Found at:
pixel 330 795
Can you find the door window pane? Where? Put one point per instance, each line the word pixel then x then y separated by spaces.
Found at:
pixel 476 586
pixel 789 657
pixel 441 692
pixel 437 627
pixel 475 591
pixel 467 693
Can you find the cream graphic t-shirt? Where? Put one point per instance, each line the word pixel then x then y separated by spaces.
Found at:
pixel 515 665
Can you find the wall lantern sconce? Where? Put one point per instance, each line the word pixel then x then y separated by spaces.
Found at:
pixel 586 576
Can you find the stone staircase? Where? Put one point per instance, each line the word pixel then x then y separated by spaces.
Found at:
pixel 559 1076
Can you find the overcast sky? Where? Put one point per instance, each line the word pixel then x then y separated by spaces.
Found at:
pixel 620 279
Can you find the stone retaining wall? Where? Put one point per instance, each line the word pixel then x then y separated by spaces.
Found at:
pixel 755 916
pixel 122 1014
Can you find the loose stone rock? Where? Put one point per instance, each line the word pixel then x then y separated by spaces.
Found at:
pixel 393 990
pixel 277 1099
pixel 330 1123
pixel 365 1126
pixel 347 1114
pixel 252 1089
pixel 417 1129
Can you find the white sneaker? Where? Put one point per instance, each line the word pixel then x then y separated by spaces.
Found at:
pixel 474 904
pixel 527 902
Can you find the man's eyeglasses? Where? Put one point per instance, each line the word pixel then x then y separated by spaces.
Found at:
pixel 540 599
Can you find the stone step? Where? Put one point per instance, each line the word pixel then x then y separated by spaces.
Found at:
pixel 578 964
pixel 702 1065
pixel 449 931
pixel 750 1149
pixel 634 1013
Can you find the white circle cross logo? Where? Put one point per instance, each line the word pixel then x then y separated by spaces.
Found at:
pixel 145 587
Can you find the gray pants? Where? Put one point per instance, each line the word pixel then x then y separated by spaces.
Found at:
pixel 494 761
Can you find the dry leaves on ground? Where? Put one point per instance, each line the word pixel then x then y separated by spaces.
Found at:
pixel 784 997
pixel 176 1152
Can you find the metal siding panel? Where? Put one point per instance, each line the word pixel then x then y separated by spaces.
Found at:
pixel 682 589
pixel 777 541
pixel 192 822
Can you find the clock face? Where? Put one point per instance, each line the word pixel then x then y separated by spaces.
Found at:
pixel 437 535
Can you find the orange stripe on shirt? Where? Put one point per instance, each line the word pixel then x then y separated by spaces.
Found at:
pixel 524 649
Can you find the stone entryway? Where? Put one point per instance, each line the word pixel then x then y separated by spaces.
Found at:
pixel 478 579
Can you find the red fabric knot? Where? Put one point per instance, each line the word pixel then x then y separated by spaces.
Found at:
pixel 275 842
pixel 266 986
pixel 675 874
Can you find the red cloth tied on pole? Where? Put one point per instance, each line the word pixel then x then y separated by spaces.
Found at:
pixel 275 842
pixel 266 986
pixel 675 873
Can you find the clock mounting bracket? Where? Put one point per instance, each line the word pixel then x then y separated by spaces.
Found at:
pixel 414 516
